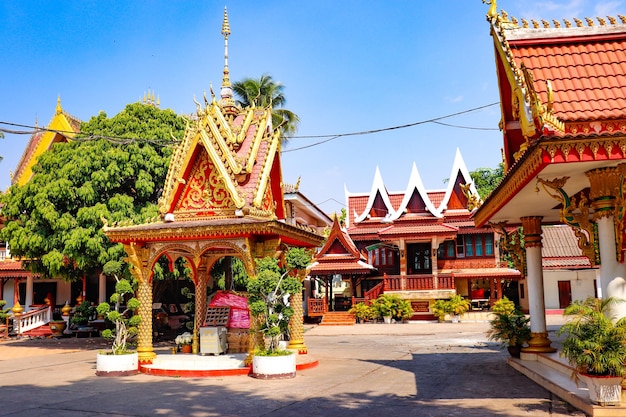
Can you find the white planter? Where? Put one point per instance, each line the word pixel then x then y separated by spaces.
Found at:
pixel 454 318
pixel 274 367
pixel 603 390
pixel 387 319
pixel 117 365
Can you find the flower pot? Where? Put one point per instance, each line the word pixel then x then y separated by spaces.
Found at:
pixel 454 318
pixel 57 327
pixel 274 367
pixel 603 390
pixel 387 319
pixel 117 365
pixel 514 351
pixel 185 349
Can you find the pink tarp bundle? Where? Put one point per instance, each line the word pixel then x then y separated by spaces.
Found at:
pixel 239 313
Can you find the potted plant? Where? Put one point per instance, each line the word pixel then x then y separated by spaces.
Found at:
pixel 268 299
pixel 594 346
pixel 392 307
pixel 458 306
pixel 509 326
pixel 120 360
pixel 183 341
pixel 82 314
pixel 5 313
pixel 57 326
pixel 441 309
pixel 362 311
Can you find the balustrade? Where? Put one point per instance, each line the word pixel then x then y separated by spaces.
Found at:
pixel 32 319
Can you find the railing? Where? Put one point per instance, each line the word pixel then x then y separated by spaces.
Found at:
pixel 374 292
pixel 317 307
pixel 32 319
pixel 418 283
pixel 446 283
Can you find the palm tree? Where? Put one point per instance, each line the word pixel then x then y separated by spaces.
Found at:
pixel 264 92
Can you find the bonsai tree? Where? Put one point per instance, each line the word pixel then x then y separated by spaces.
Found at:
pixel 362 311
pixel 125 322
pixel 509 326
pixel 82 314
pixel 268 297
pixel 4 312
pixel 594 341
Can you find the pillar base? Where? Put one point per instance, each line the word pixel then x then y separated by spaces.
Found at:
pixel 145 355
pixel 299 345
pixel 539 343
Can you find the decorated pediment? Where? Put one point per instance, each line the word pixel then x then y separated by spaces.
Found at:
pixel 60 129
pixel 227 165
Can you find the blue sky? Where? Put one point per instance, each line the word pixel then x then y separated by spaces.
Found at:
pixel 347 66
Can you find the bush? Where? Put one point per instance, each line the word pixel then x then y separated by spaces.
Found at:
pixel 392 305
pixel 362 311
pixel 509 327
pixel 594 342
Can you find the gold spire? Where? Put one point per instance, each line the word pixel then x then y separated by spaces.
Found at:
pixel 225 33
pixel 59 109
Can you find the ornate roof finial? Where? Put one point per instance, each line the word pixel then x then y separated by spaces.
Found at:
pixel 59 109
pixel 226 90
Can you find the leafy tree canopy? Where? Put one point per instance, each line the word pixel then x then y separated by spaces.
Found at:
pixel 487 179
pixel 54 221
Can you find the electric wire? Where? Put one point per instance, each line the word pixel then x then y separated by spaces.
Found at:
pixel 77 136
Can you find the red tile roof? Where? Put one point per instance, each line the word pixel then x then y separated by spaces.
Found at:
pixel 588 78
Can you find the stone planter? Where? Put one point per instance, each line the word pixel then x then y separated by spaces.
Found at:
pixel 274 367
pixel 603 390
pixel 57 327
pixel 117 365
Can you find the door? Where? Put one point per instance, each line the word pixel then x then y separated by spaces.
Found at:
pixel 565 293
pixel 418 259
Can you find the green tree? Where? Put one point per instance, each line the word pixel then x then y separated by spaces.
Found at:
pixel 54 221
pixel 487 179
pixel 264 92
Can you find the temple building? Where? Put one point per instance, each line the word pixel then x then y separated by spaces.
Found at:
pixel 223 196
pixel 422 245
pixel 564 144
pixel 17 283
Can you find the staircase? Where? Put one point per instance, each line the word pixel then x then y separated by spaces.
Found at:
pixel 41 331
pixel 337 318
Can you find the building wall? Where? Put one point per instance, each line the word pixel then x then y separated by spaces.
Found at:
pixel 581 282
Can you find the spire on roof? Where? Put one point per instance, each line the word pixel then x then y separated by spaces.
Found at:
pixel 59 109
pixel 226 92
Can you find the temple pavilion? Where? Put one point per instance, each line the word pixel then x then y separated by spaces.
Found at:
pixel 563 124
pixel 223 196
pixel 419 244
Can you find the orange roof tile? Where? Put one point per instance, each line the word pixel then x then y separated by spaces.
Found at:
pixel 588 73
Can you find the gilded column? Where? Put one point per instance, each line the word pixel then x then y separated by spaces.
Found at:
pixel 200 306
pixel 539 341
pixel 604 193
pixel 138 260
pixel 144 341
pixel 296 323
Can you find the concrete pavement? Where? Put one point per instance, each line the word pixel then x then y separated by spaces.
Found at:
pixel 414 369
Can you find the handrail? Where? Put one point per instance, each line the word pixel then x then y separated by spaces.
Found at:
pixel 32 319
pixel 375 291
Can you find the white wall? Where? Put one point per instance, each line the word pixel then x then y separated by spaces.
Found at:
pixel 581 281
